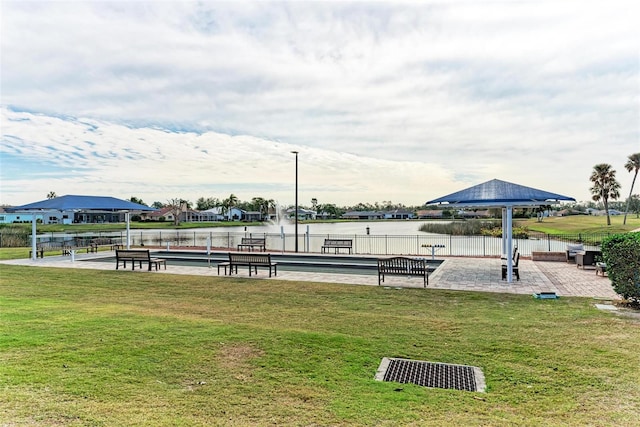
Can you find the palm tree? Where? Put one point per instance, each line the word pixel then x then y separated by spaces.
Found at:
pixel 228 203
pixel 605 186
pixel 633 164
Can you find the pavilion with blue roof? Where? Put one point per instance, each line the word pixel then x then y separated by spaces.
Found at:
pixel 76 203
pixel 505 195
pixel 71 203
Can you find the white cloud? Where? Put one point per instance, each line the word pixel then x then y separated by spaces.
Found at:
pixel 155 165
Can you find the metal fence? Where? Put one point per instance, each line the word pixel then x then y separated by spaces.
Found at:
pixel 419 245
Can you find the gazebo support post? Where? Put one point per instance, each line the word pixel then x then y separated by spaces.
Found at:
pixel 34 237
pixel 504 227
pixel 509 236
pixel 126 216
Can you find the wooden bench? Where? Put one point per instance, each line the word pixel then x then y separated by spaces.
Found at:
pixel 514 268
pixel 336 244
pixel 43 247
pixel 101 242
pixel 249 260
pixel 139 256
pixel 66 250
pixel 403 266
pixel 251 242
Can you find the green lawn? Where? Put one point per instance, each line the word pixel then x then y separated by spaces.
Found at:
pixel 111 348
pixel 581 224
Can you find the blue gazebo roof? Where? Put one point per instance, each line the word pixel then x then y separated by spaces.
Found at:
pixel 70 202
pixel 500 193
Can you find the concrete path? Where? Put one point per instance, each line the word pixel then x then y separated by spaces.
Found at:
pixel 455 273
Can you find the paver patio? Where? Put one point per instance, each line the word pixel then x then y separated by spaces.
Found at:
pixel 455 273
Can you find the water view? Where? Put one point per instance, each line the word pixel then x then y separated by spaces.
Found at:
pixel 368 237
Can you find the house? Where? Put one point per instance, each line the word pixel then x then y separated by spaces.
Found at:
pixel 235 214
pixel 303 214
pixel 72 209
pixel 399 214
pixel 213 214
pixel 324 215
pixel 252 216
pixel 45 217
pixel 363 215
pixel 164 214
pixel 430 213
pixel 474 213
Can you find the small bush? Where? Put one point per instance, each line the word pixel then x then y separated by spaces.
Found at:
pixel 621 252
pixel 13 236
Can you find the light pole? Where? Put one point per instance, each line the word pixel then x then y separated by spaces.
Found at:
pixel 296 213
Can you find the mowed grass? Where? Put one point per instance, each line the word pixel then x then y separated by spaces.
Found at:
pixel 581 224
pixel 111 348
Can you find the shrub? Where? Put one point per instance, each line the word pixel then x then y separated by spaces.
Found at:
pixel 621 252
pixel 473 228
pixel 13 236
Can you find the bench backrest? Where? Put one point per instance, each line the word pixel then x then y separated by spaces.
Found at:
pixel 235 257
pixel 133 254
pixel 102 241
pixel 346 243
pixel 49 245
pixel 401 265
pixel 252 241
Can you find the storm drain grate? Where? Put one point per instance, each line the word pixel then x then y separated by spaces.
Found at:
pixel 430 374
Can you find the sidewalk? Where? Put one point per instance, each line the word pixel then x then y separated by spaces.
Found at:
pixel 455 273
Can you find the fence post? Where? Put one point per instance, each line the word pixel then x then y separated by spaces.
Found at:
pixel 549 242
pixel 484 246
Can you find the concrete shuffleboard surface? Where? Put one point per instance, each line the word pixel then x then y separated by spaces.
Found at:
pixel 329 263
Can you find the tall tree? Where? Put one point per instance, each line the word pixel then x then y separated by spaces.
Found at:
pixel 229 202
pixel 134 199
pixel 52 195
pixel 210 202
pixel 178 206
pixel 605 186
pixel 633 164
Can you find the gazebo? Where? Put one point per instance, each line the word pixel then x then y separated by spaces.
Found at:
pixel 72 203
pixel 505 195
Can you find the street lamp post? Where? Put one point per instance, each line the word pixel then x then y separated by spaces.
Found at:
pixel 296 212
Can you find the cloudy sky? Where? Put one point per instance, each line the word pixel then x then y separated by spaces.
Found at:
pixel 399 101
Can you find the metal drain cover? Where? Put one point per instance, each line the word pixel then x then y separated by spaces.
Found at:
pixel 430 374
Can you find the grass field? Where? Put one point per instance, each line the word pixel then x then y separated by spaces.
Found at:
pixel 581 224
pixel 111 348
